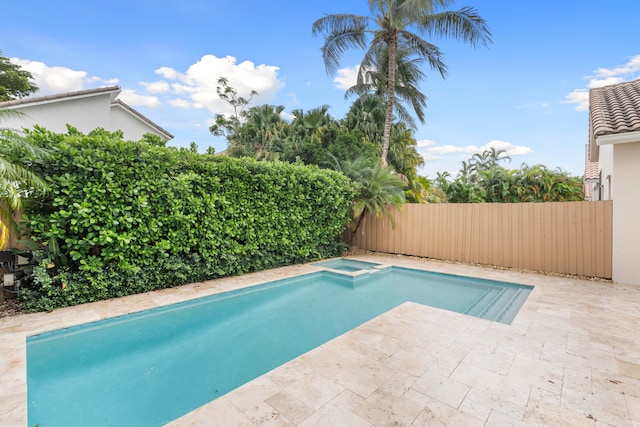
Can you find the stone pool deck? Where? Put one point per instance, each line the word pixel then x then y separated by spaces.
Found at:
pixel 571 357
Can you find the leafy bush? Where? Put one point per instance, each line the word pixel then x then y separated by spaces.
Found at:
pixel 129 217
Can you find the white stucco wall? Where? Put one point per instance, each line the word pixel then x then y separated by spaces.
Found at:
pixel 132 127
pixel 626 213
pixel 85 114
pixel 605 161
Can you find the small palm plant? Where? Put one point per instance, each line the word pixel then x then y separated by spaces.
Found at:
pixel 17 181
pixel 376 188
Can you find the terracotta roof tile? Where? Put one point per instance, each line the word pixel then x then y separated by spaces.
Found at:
pixel 615 109
pixel 591 169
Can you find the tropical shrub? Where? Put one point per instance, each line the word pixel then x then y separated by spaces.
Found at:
pixel 482 179
pixel 126 217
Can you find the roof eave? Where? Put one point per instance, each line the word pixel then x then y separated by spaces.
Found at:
pixel 112 91
pixel 135 113
pixel 618 138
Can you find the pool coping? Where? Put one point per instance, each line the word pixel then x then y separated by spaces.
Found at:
pixel 270 399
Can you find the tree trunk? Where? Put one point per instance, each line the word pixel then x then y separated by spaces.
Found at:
pixel 355 230
pixel 391 88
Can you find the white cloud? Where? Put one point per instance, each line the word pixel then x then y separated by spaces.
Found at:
pixel 287 116
pixel 53 80
pixel 436 152
pixel 132 98
pixel 633 66
pixel 346 77
pixel 157 87
pixel 579 97
pixel 180 103
pixel 511 149
pixel 451 149
pixel 200 80
pixel 604 77
pixel 167 73
pixel 430 157
pixel 425 143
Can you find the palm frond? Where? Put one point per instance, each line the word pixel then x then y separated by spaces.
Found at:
pixel 342 32
pixel 423 49
pixel 465 25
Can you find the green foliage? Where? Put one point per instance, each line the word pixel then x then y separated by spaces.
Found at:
pixel 393 33
pixel 482 179
pixel 335 143
pixel 228 126
pixel 133 217
pixel 376 188
pixel 263 134
pixel 14 81
pixel 152 139
pixel 17 180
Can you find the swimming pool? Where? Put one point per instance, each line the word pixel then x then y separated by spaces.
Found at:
pixel 347 265
pixel 151 367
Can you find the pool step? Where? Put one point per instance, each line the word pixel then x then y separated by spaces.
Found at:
pixel 495 304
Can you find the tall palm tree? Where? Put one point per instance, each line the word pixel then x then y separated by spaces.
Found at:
pixel 17 181
pixel 408 76
pixel 367 115
pixel 394 23
pixel 403 153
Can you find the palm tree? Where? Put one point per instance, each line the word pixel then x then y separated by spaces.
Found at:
pixel 311 123
pixel 367 115
pixel 489 158
pixel 403 154
pixel 373 81
pixel 17 181
pixel 263 129
pixel 376 188
pixel 393 25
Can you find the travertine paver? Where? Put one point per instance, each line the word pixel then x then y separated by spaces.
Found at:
pixel 571 357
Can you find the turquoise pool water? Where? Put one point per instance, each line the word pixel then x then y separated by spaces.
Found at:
pixel 148 368
pixel 348 265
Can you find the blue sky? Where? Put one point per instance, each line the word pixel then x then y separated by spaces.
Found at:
pixel 526 93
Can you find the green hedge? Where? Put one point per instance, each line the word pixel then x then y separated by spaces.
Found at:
pixel 131 217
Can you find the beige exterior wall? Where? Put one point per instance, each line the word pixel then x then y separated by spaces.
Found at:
pixel 568 237
pixel 626 214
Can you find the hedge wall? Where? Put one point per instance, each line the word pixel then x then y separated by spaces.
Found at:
pixel 126 217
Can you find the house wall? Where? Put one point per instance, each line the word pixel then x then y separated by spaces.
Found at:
pixel 606 160
pixel 85 114
pixel 626 227
pixel 132 127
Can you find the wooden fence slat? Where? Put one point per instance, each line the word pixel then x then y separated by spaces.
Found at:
pixel 560 237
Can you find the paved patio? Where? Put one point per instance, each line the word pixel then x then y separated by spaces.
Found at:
pixel 571 357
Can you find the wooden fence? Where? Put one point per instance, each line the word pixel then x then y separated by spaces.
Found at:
pixel 563 237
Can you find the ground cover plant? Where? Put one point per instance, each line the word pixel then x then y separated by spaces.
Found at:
pixel 127 217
